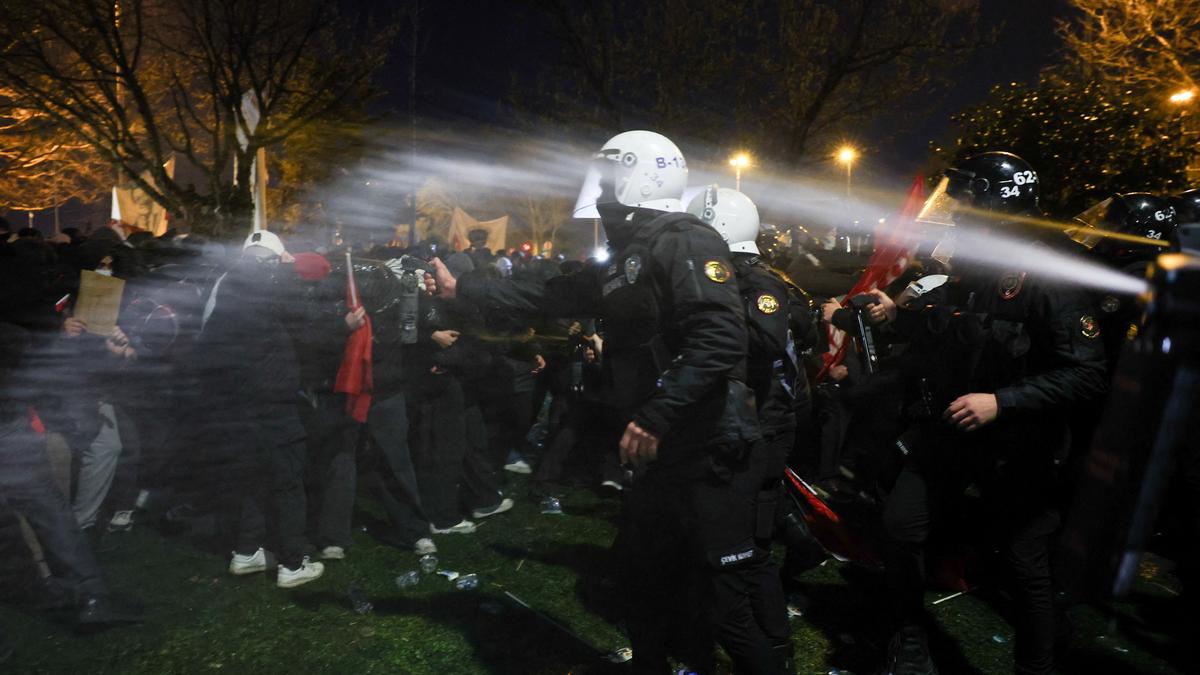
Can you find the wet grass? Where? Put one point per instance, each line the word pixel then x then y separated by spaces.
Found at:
pixel 202 620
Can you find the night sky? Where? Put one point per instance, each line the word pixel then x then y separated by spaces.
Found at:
pixel 472 82
pixel 471 46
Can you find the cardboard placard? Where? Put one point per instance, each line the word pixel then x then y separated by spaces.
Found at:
pixel 99 301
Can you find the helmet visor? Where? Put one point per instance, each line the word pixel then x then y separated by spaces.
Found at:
pixel 1090 228
pixel 940 206
pixel 599 185
pixel 589 194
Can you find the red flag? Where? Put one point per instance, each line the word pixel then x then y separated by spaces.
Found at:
pixel 892 255
pixel 355 378
pixel 826 526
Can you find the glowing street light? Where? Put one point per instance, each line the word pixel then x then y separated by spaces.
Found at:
pixel 1183 96
pixel 738 162
pixel 846 155
pixel 1183 99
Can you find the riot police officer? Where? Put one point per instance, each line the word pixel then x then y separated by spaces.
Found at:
pixel 773 374
pixel 674 366
pixel 1125 232
pixel 1014 354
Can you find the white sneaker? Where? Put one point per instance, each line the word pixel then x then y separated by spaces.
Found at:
pixel 464 527
pixel 333 553
pixel 306 572
pixel 519 466
pixel 613 484
pixel 122 521
pixel 248 564
pixel 504 505
pixel 424 546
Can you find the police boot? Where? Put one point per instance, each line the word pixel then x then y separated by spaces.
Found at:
pixel 908 653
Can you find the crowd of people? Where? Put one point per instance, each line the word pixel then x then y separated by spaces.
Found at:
pixel 261 383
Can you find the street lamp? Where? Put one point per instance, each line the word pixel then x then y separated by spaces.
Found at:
pixel 1182 97
pixel 739 162
pixel 846 155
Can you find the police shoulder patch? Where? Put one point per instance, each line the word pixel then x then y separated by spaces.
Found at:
pixel 716 271
pixel 1088 326
pixel 767 304
pixel 1010 284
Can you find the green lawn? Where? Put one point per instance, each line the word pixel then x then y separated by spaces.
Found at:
pixel 201 620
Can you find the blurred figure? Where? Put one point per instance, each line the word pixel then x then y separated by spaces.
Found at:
pixel 251 379
pixel 27 486
pixel 478 250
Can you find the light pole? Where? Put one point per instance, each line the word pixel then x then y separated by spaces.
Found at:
pixel 846 155
pixel 739 162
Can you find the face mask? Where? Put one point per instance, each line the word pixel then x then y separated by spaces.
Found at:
pixel 107 273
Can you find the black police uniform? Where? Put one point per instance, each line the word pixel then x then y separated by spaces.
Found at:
pixel 673 362
pixel 773 374
pixel 1036 347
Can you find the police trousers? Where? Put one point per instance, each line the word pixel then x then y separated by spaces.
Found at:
pixel 1019 505
pixel 690 566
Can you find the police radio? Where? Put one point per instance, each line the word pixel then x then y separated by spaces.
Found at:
pixel 1147 431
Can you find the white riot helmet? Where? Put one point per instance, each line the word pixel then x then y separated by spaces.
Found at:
pixel 639 169
pixel 731 214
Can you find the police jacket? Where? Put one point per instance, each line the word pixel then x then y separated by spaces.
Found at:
pixel 1119 316
pixel 675 344
pixel 771 368
pixel 1033 343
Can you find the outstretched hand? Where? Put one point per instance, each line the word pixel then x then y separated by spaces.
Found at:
pixel 445 284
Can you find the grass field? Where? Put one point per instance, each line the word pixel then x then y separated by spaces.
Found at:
pixel 202 620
